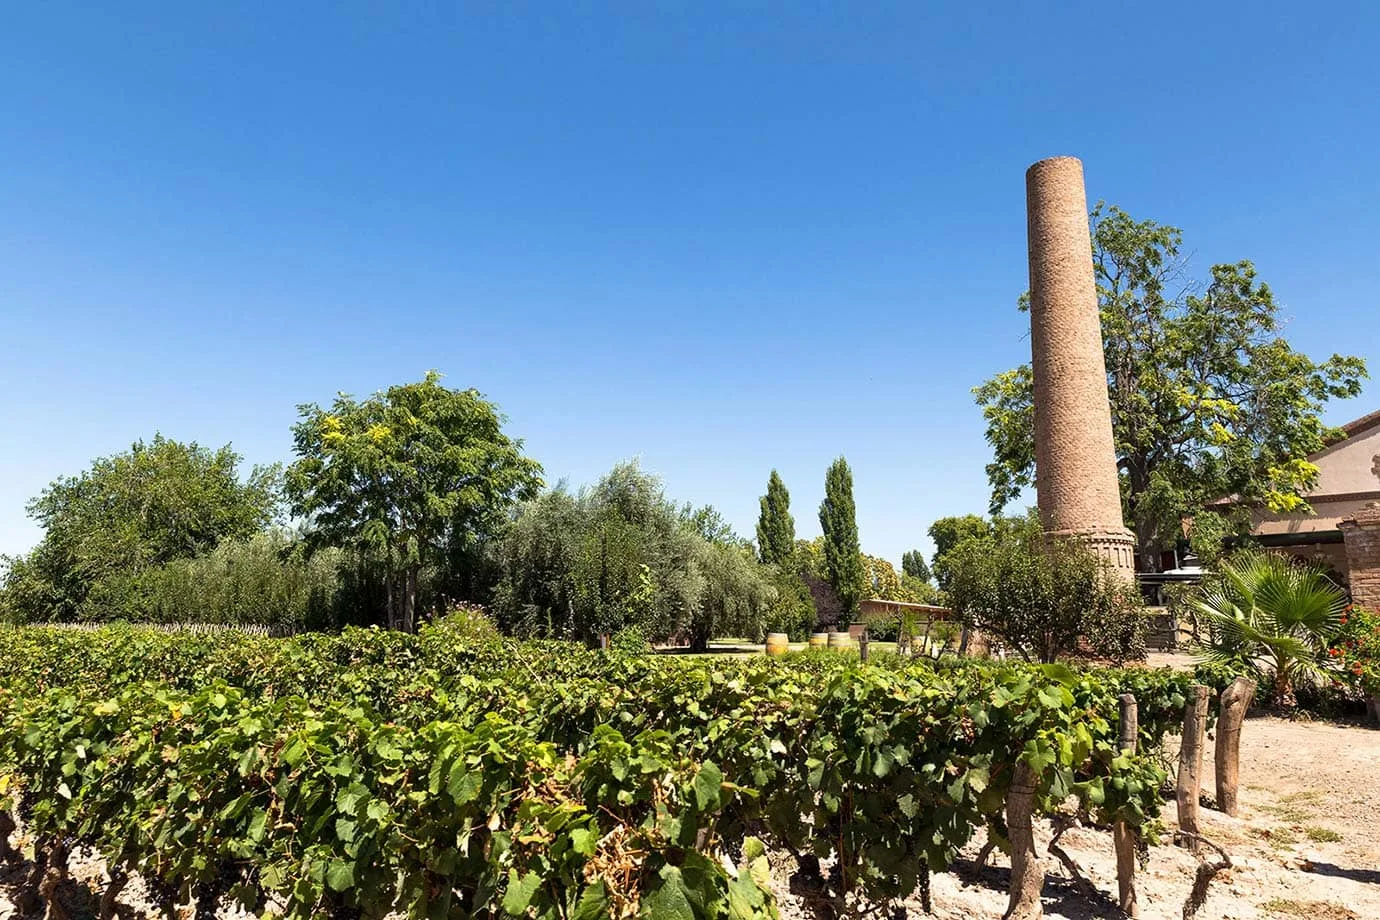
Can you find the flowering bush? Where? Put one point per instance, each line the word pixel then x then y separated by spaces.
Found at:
pixel 1356 650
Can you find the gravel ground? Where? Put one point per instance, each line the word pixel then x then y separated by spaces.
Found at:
pixel 1307 845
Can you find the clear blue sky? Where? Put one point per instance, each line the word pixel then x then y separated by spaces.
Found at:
pixel 722 238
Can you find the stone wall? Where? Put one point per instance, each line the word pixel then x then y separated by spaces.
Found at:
pixel 1362 535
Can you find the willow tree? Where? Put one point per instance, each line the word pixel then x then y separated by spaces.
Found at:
pixel 1208 398
pixel 405 475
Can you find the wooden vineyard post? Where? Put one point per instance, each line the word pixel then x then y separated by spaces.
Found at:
pixel 1027 869
pixel 1236 699
pixel 1123 835
pixel 1191 766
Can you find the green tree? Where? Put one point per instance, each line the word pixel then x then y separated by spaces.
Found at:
pixel 404 476
pixel 738 594
pixel 914 565
pixel 710 524
pixel 1270 615
pixel 947 533
pixel 775 526
pixel 621 555
pixel 838 519
pixel 107 528
pixel 792 609
pixel 809 558
pixel 880 579
pixel 1208 399
pixel 1040 600
pixel 268 579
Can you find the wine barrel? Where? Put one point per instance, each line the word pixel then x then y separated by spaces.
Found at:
pixel 819 640
pixel 778 643
pixel 840 640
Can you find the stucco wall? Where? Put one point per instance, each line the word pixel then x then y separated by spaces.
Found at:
pixel 1349 466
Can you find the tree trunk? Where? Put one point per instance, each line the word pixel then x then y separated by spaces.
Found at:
pixel 1191 766
pixel 390 601
pixel 410 601
pixel 108 908
pixel 1123 835
pixel 1138 476
pixel 53 877
pixel 1284 689
pixel 8 853
pixel 1027 869
pixel 1236 699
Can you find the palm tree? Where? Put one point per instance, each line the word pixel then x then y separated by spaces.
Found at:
pixel 1267 612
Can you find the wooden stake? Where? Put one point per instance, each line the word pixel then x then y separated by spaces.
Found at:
pixel 1190 783
pixel 8 853
pixel 1027 869
pixel 1123 835
pixel 1236 699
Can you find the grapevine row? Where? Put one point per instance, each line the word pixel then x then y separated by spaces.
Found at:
pixel 323 777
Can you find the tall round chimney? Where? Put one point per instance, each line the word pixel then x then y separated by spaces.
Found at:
pixel 1076 480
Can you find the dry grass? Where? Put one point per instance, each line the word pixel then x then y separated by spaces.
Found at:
pixel 1317 910
pixel 1321 834
pixel 1278 838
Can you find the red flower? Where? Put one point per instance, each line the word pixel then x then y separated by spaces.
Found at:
pixel 1334 652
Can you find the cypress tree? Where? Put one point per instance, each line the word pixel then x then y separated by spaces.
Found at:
pixel 913 564
pixel 775 526
pixel 838 520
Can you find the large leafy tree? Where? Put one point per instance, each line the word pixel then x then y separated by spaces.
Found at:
pixel 405 476
pixel 108 527
pixel 947 533
pixel 838 519
pixel 775 526
pixel 1208 398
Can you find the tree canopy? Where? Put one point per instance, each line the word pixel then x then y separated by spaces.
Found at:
pixel 106 528
pixel 620 555
pixel 914 565
pixel 947 533
pixel 1208 398
pixel 838 519
pixel 406 476
pixel 775 526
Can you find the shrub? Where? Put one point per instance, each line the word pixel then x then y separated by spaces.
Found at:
pixel 1356 649
pixel 267 580
pixel 1273 615
pixel 1041 599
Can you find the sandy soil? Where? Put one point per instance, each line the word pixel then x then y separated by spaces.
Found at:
pixel 1307 845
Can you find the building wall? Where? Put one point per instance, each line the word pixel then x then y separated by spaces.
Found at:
pixel 1350 465
pixel 1348 480
pixel 1327 513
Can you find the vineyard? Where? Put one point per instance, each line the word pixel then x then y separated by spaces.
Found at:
pixel 452 774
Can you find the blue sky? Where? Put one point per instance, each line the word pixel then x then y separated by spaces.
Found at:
pixel 718 237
